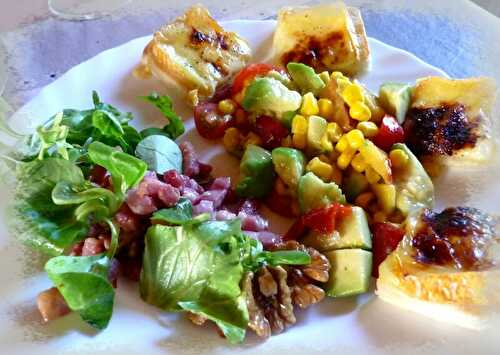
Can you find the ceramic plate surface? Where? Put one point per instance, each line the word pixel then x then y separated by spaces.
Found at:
pixel 354 325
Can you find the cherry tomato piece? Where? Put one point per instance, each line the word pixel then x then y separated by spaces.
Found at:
pixel 281 204
pixel 270 130
pixel 247 74
pixel 324 220
pixel 389 133
pixel 386 237
pixel 209 122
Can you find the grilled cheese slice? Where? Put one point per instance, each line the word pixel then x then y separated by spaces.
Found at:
pixel 195 52
pixel 438 290
pixel 449 121
pixel 327 37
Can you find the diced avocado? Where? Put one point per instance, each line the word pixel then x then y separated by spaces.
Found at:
pixel 352 232
pixel 305 78
pixel 257 173
pixel 414 188
pixel 289 164
pixel 287 118
pixel 354 184
pixel 350 272
pixel 395 99
pixel 316 128
pixel 269 96
pixel 315 193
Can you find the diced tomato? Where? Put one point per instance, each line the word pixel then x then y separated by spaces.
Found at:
pixel 209 122
pixel 386 237
pixel 247 74
pixel 270 130
pixel 321 220
pixel 389 133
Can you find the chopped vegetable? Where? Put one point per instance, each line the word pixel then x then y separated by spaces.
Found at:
pixel 390 132
pixel 386 237
pixel 257 173
pixel 305 78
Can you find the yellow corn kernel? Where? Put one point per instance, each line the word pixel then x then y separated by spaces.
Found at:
pixel 299 125
pixel 386 196
pixel 227 106
pixel 364 199
pixel 360 112
pixel 352 94
pixel 355 138
pixel 252 138
pixel 320 169
pixel 398 158
pixel 299 141
pixel 345 158
pixel 379 217
pixel 368 128
pixel 309 105
pixel 280 187
pixel 334 131
pixel 325 108
pixel 358 163
pixel 287 141
pixel 324 76
pixel 324 158
pixel 342 144
pixel 371 175
pixel 232 139
pixel 342 83
pixel 326 145
pixel 336 175
pixel 337 75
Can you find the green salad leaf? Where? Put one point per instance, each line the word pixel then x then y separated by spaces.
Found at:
pixel 180 214
pixel 83 282
pixel 175 126
pixel 160 153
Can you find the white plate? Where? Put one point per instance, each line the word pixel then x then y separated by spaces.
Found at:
pixel 354 325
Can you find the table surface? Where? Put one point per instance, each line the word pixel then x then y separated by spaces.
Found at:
pixel 454 35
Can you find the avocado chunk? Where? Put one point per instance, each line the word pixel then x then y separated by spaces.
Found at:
pixel 352 232
pixel 289 164
pixel 315 193
pixel 257 173
pixel 414 188
pixel 316 129
pixel 350 272
pixel 305 78
pixel 395 98
pixel 271 97
pixel 353 184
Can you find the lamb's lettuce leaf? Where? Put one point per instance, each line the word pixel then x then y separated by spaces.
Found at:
pixel 175 126
pixel 180 214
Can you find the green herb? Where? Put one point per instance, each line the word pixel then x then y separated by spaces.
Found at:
pixel 175 126
pixel 160 153
pixel 83 282
pixel 180 214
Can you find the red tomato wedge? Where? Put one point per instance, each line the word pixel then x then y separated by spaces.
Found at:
pixel 247 74
pixel 390 132
pixel 386 237
pixel 270 130
pixel 209 122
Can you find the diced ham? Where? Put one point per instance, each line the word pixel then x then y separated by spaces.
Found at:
pixel 221 183
pixel 51 304
pixel 169 195
pixel 252 222
pixel 224 215
pixel 216 196
pixel 127 220
pixel 190 194
pixel 268 239
pixel 190 164
pixel 93 246
pixel 203 206
pixel 173 178
pixel 140 204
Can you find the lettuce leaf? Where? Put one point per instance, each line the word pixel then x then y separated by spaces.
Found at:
pixel 180 214
pixel 175 126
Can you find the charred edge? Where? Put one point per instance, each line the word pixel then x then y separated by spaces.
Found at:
pixel 199 38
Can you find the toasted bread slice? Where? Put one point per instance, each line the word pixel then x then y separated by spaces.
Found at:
pixel 327 37
pixel 450 120
pixel 195 53
pixel 455 291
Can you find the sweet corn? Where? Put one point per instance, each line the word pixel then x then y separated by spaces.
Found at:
pixel 325 76
pixel 280 187
pixel 342 144
pixel 299 141
pixel 371 175
pixel 358 163
pixel 325 108
pixel 232 139
pixel 342 83
pixel 326 144
pixel 299 125
pixel 345 158
pixel 334 131
pixel 364 199
pixel 368 128
pixel 227 106
pixel 336 175
pixel 324 158
pixel 309 105
pixel 337 75
pixel 320 169
pixel 355 138
pixel 287 141
pixel 252 138
pixel 352 94
pixel 398 158
pixel 360 112
pixel 386 196
pixel 379 217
